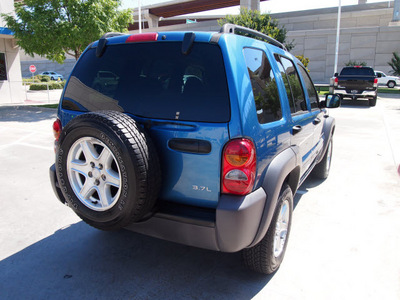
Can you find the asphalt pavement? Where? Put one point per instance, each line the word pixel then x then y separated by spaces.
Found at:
pixel 344 242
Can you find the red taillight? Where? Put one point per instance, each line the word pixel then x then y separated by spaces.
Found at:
pixel 142 37
pixel 336 81
pixel 238 167
pixel 375 82
pixel 57 127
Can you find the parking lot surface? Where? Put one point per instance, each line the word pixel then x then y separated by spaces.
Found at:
pixel 344 242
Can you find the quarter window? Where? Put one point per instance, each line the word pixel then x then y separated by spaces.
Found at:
pixel 264 86
pixel 293 86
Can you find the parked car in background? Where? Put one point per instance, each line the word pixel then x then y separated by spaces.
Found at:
pixel 390 81
pixel 53 75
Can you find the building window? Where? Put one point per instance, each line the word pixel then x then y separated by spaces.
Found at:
pixel 3 70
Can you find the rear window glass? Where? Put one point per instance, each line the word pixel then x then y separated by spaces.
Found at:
pixel 152 80
pixel 358 71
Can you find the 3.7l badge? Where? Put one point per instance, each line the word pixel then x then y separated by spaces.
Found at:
pixel 201 188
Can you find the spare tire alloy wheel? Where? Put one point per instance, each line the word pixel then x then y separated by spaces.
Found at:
pixel 94 174
pixel 108 169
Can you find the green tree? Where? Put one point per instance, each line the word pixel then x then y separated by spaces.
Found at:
pixel 54 28
pixel 395 64
pixel 253 19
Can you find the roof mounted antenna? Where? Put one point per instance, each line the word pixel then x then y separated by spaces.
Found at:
pixel 233 28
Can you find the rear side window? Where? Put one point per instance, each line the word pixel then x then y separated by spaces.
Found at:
pixel 264 86
pixel 312 93
pixel 293 86
pixel 152 80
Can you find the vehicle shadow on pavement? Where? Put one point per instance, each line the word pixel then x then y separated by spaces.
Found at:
pixel 85 263
pixel 26 114
pixel 309 183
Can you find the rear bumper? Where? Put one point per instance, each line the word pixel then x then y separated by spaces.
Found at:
pixel 237 221
pixel 234 224
pixel 363 94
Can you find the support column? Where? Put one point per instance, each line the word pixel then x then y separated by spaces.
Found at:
pixel 250 4
pixel 396 11
pixel 152 20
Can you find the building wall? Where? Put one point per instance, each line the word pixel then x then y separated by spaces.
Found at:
pixel 11 90
pixel 367 34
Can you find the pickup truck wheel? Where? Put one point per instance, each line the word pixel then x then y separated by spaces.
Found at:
pixel 267 255
pixel 391 84
pixel 108 169
pixel 372 101
pixel 321 170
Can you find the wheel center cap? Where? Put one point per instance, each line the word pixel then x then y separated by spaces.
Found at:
pixel 96 173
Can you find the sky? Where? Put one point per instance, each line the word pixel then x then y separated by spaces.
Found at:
pixel 271 6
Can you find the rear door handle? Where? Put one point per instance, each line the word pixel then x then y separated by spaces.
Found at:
pixel 317 121
pixel 296 129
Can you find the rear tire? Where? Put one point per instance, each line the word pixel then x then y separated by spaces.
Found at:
pixel 321 170
pixel 391 84
pixel 372 101
pixel 266 256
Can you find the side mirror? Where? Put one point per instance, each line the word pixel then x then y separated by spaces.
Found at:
pixel 331 101
pixel 336 75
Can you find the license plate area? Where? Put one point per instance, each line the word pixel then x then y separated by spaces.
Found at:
pixel 354 92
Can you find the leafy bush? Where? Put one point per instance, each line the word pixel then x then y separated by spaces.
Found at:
pixel 352 63
pixel 43 87
pixel 304 60
pixel 395 64
pixel 38 87
pixel 29 81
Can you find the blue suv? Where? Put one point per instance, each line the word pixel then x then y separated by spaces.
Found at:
pixel 197 138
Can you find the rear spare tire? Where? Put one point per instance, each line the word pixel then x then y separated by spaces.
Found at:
pixel 108 169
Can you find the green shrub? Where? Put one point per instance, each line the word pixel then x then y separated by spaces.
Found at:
pixel 52 86
pixel 45 79
pixel 55 86
pixel 395 64
pixel 352 63
pixel 38 87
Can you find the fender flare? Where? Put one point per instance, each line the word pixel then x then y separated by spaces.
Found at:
pixel 285 167
pixel 327 131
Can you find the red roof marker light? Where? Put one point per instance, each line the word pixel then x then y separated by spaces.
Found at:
pixel 142 37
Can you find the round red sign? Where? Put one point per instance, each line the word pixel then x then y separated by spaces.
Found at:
pixel 32 68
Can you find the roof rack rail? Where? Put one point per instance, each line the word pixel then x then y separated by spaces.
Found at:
pixel 232 28
pixel 112 34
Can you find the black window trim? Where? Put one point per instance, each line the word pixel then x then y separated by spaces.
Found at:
pixel 308 99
